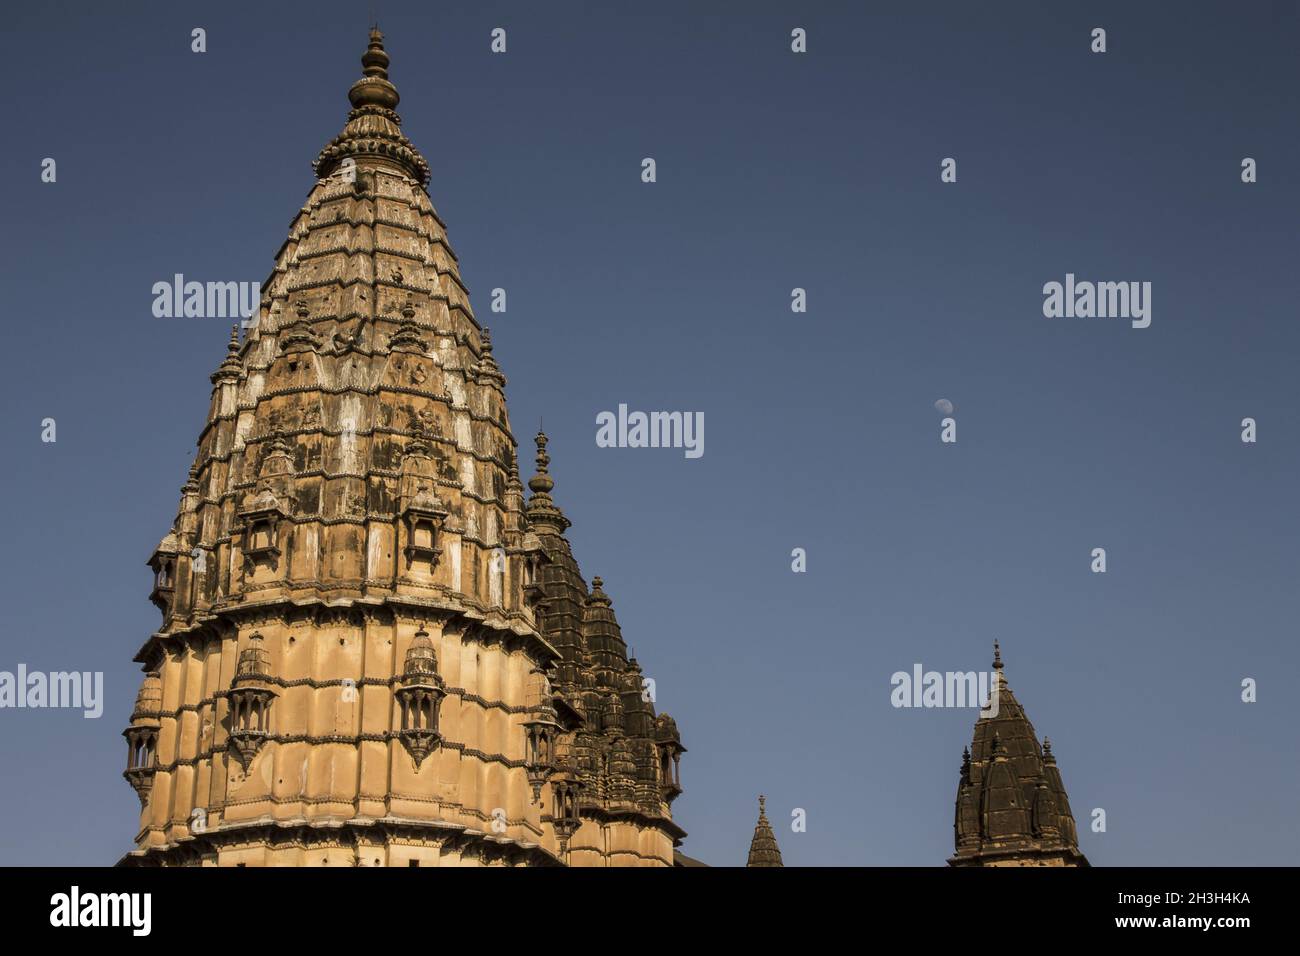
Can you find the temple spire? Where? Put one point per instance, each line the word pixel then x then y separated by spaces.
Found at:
pixel 1012 809
pixel 763 850
pixel 541 509
pixel 373 135
pixel 365 298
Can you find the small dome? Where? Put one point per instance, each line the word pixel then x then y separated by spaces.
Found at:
pixel 149 699
pixel 254 661
pixel 421 660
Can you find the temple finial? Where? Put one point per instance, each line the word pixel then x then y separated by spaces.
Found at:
pixel 374 62
pixel 541 509
pixel 373 89
pixel 542 482
pixel 763 850
pixel 997 656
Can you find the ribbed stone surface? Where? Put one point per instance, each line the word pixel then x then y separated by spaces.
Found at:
pixel 356 484
pixel 1012 809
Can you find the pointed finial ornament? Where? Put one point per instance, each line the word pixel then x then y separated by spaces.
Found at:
pixel 374 61
pixel 228 370
pixel 997 656
pixel 373 89
pixel 762 807
pixel 598 595
pixel 541 509
pixel 1047 747
pixel 373 131
pixel 541 482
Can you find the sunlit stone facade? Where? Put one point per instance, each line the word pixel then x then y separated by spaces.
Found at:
pixel 373 650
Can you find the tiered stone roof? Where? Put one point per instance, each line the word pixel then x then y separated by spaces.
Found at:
pixel 763 850
pixel 1011 804
pixel 618 748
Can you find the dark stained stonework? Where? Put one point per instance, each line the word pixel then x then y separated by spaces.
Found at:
pixel 624 757
pixel 1011 804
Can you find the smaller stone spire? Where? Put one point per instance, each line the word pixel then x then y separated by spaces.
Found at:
pixel 541 509
pixel 763 850
pixel 230 367
pixel 513 501
pixel 1011 804
pixel 486 370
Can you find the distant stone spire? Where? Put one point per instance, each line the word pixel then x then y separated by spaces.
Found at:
pixel 763 850
pixel 1012 809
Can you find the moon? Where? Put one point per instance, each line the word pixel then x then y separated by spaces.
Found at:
pixel 943 406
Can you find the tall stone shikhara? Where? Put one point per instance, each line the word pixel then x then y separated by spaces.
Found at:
pixel 373 652
pixel 1012 809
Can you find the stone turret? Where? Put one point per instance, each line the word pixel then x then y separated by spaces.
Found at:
pixel 763 850
pixel 372 651
pixel 627 776
pixel 1011 804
